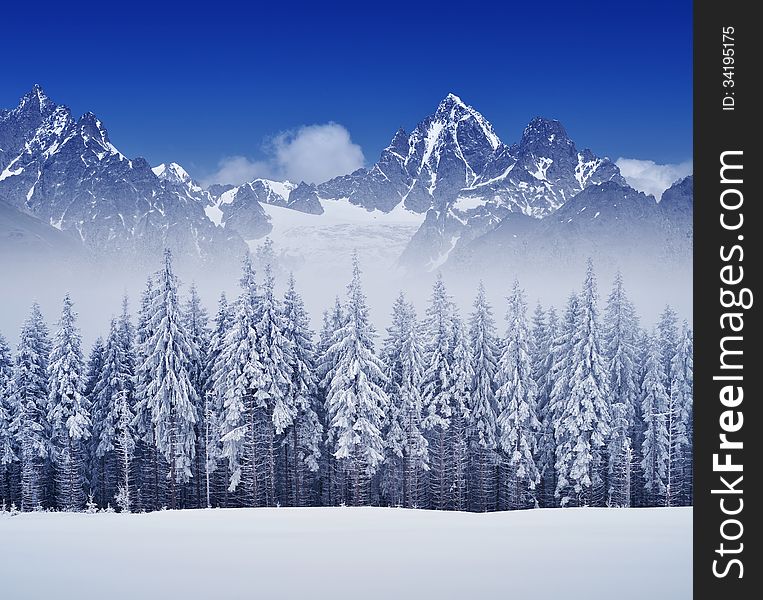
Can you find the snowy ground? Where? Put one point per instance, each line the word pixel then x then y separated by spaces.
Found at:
pixel 348 553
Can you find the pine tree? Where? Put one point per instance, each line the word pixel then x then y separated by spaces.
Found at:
pixel 655 451
pixel 355 397
pixel 436 385
pixel 8 455
pixel 407 449
pixel 307 432
pixel 482 407
pixel 69 413
pixel 583 426
pixel 619 343
pixel 517 421
pixel 273 397
pixel 238 378
pixel 172 398
pixel 29 402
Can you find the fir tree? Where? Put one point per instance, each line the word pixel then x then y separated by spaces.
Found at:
pixel 355 397
pixel 196 323
pixel 680 416
pixel 29 403
pixel 619 343
pixel 213 407
pixel 436 385
pixel 147 455
pixel 114 383
pixel 682 389
pixel 544 333
pixel 273 397
pixel 583 428
pixel 561 375
pixel 238 379
pixel 172 398
pixel 668 337
pixel 482 407
pixel 517 421
pixel 459 392
pixel 69 413
pixel 408 455
pixel 8 455
pixel 125 446
pixel 307 432
pixel 655 450
pixel 332 321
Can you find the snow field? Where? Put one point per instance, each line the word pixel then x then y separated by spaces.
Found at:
pixel 348 553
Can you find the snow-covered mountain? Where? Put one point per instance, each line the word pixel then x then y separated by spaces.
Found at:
pixel 67 173
pixel 452 169
pixel 448 192
pixel 610 222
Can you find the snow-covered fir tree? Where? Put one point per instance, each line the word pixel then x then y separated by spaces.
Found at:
pixel 152 483
pixel 8 456
pixel 215 474
pixel 326 362
pixel 407 448
pixel 125 447
pixel 307 432
pixel 655 449
pixel 561 377
pixel 196 321
pixel 517 420
pixel 355 398
pixel 273 397
pixel 28 400
pixel 545 330
pixel 482 405
pixel 680 416
pixel 583 426
pixel 619 343
pixel 68 412
pixel 238 378
pixel 171 395
pixel 668 338
pixel 436 387
pixel 459 392
pixel 114 383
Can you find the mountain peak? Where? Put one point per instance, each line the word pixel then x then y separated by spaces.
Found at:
pixel 542 133
pixel 541 128
pixel 449 102
pixel 36 99
pixel 171 172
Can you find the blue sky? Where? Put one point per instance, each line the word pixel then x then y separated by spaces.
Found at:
pixel 196 85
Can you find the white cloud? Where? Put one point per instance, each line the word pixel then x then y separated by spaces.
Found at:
pixel 651 178
pixel 312 153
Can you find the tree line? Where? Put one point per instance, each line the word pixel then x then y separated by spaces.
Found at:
pixel 250 408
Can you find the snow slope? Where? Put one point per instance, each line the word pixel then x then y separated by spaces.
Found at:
pixel 343 553
pixel 330 238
